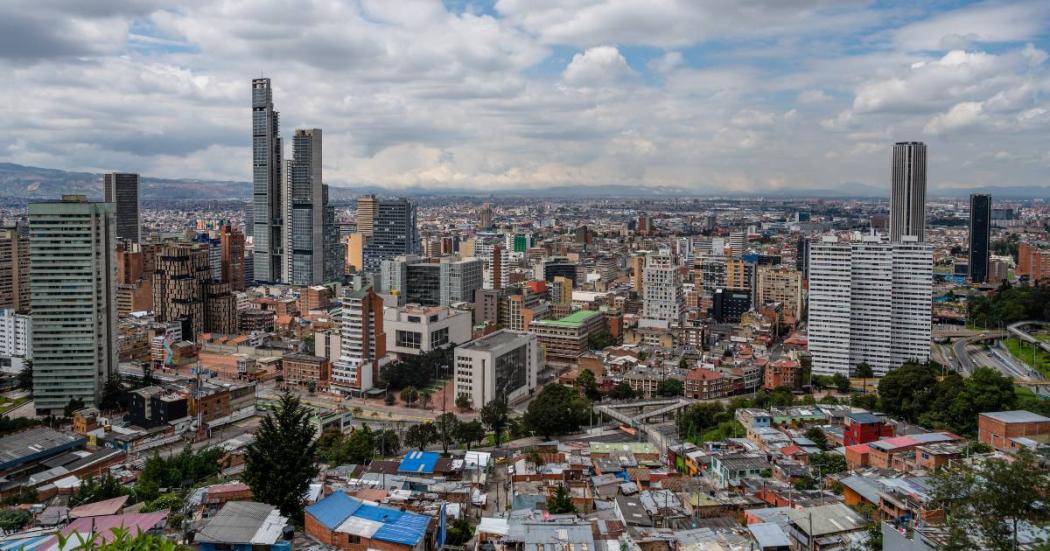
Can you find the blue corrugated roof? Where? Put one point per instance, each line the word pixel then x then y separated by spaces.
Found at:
pixel 378 514
pixel 334 509
pixel 408 530
pixel 419 462
pixel 27 544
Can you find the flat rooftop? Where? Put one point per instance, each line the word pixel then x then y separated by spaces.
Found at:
pixel 573 320
pixel 39 442
pixel 495 340
pixel 1016 416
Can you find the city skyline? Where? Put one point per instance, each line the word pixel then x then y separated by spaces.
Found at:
pixel 511 95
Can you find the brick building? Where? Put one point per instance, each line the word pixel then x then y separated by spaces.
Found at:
pixel 1004 429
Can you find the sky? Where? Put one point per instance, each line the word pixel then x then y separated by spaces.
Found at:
pixel 709 96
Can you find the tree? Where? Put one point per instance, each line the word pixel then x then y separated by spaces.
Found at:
pixel 622 391
pixel 556 410
pixel 360 446
pixel 387 442
pixel 840 382
pixel 409 395
pixel 420 436
pixel 463 402
pixel 72 406
pixel 864 370
pixel 818 437
pixel 112 393
pixel 25 377
pixel 470 433
pixel 447 426
pixel 700 417
pixel 424 397
pixel 14 519
pixel 670 387
pixel 906 391
pixel 279 465
pixel 828 463
pixel 588 384
pixel 99 488
pixel 121 540
pixel 494 415
pixel 560 502
pixel 389 399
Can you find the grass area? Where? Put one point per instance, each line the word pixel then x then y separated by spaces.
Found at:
pixel 1029 354
pixel 7 404
pixel 1045 337
pixel 725 429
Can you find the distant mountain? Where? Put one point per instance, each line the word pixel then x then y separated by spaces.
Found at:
pixel 1015 193
pixel 30 182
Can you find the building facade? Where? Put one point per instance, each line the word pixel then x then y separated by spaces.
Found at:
pixel 780 285
pixel 394 233
pixel 565 340
pixel 869 301
pixel 14 271
pixel 73 279
pixel 122 189
pixel 908 194
pixel 362 343
pixel 980 236
pixel 268 204
pixel 500 365
pixel 232 246
pixel 663 290
pixel 414 330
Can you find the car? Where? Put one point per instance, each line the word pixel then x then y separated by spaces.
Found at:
pixel 510 470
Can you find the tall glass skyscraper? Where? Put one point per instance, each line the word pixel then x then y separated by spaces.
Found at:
pixel 394 233
pixel 122 190
pixel 72 246
pixel 980 236
pixel 306 231
pixel 268 210
pixel 908 195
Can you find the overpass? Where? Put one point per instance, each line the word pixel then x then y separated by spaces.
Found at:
pixel 619 411
pixel 1017 330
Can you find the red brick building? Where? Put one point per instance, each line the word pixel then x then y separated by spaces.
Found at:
pixel 706 384
pixel 999 429
pixel 861 428
pixel 782 373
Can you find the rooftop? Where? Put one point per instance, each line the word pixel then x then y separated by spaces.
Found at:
pixel 243 522
pixel 495 340
pixel 1016 416
pixel 573 320
pixel 35 443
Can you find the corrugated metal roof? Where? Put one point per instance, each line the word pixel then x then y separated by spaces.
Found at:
pixel 236 522
pixel 408 530
pixel 333 510
pixel 99 508
pixel 419 462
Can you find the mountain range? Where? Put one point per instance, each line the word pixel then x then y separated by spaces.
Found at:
pixel 28 183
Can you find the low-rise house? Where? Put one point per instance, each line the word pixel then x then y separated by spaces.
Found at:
pixel 348 523
pixel 728 470
pixel 833 526
pixel 1003 429
pixel 245 525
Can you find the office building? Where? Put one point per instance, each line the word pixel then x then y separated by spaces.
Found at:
pixel 663 299
pixel 485 217
pixel 14 271
pixel 73 280
pixel 738 243
pixel 122 189
pixel 232 257
pixel 367 209
pixel 729 304
pixel 394 233
pixel 638 272
pixel 184 291
pixel 908 194
pixel 306 233
pixel 739 274
pixel 562 268
pixel 869 301
pixel 1033 262
pixel 500 365
pixel 561 290
pixel 362 342
pixel 16 341
pixel 431 282
pixel 802 256
pixel 213 245
pixel 980 236
pixel 780 285
pixel 564 340
pixel 268 204
pixel 304 370
pixel 334 251
pixel 414 330
pixel 355 249
pixel 497 265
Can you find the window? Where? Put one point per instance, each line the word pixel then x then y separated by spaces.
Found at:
pixel 409 339
pixel 439 337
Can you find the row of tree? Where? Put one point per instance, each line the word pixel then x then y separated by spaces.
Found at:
pixel 418 371
pixel 1009 304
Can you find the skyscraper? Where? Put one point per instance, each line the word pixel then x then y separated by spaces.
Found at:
pixel 306 231
pixel 662 290
pixel 14 271
pixel 367 207
pixel 980 236
pixel 363 343
pixel 908 195
pixel 232 257
pixel 869 301
pixel 122 189
pixel 334 251
pixel 267 188
pixel 394 233
pixel 72 275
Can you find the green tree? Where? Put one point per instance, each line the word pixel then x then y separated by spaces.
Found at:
pixel 600 340
pixel 560 502
pixel 98 488
pixel 588 384
pixel 73 405
pixel 622 391
pixel 409 395
pixel 463 402
pixel 556 410
pixel 700 417
pixel 906 391
pixel 864 370
pixel 279 465
pixel 818 437
pixel 420 436
pixel 495 415
pixel 828 463
pixel 447 426
pixel 121 540
pixel 388 444
pixel 470 433
pixel 840 382
pixel 670 387
pixel 25 377
pixel 14 519
pixel 360 446
pixel 424 398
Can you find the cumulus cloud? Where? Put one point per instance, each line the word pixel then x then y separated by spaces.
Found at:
pixel 597 66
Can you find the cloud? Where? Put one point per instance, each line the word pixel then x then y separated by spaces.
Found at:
pixel 597 66
pixel 970 27
pixel 962 115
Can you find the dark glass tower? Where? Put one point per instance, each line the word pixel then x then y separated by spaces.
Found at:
pixel 980 236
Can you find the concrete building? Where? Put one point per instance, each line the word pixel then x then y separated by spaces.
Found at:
pixel 431 282
pixel 869 301
pixel 500 365
pixel 1033 262
pixel 355 250
pixel 178 285
pixel 780 285
pixel 302 370
pixel 1012 430
pixel 638 272
pixel 394 233
pixel 122 189
pixel 362 343
pixel 16 341
pixel 980 236
pixel 73 279
pixel 663 290
pixel 232 257
pixel 728 305
pixel 908 194
pixel 309 198
pixel 14 271
pixel 561 290
pixel 565 340
pixel 268 194
pixel 415 330
pixel 367 209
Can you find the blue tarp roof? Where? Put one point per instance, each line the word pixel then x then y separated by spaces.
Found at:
pixel 334 509
pixel 398 526
pixel 28 544
pixel 419 462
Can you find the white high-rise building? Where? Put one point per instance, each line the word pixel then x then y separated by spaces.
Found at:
pixel 501 365
pixel 869 301
pixel 908 194
pixel 16 333
pixel 72 246
pixel 662 292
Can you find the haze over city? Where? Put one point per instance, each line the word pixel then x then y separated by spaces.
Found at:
pixel 706 97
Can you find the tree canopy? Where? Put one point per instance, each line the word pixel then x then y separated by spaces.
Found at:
pixel 281 462
pixel 494 415
pixel 557 410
